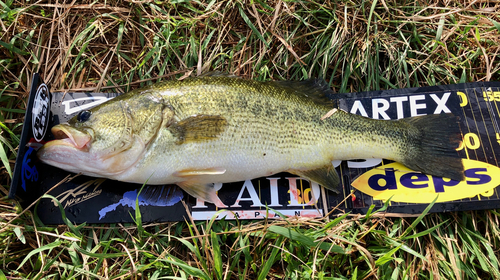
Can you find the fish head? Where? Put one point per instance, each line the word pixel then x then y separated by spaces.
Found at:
pixel 106 140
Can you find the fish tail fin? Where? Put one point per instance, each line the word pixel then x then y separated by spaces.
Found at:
pixel 433 142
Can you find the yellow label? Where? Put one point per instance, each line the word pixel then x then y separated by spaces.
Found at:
pixel 404 185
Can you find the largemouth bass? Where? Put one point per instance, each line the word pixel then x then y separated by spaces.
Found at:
pixel 219 129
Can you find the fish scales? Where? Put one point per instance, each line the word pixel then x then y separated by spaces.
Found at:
pixel 265 127
pixel 222 129
pixel 271 123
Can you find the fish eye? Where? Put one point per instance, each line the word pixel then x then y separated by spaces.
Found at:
pixel 83 116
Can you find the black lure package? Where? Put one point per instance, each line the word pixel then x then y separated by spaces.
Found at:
pixel 365 182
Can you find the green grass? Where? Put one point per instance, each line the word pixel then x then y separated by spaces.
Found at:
pixel 353 45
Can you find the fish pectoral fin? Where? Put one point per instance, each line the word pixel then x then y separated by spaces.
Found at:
pixel 204 191
pixel 199 172
pixel 326 176
pixel 198 128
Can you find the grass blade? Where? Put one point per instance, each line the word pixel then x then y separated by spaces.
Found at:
pixel 12 48
pixel 254 29
pixel 293 235
pixel 269 262
pixel 5 159
pixel 419 219
pixel 49 247
pixel 192 271
pixel 217 255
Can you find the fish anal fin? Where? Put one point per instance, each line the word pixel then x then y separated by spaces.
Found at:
pixel 198 128
pixel 326 176
pixel 203 191
pixel 199 172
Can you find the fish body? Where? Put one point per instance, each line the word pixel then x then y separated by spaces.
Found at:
pixel 223 129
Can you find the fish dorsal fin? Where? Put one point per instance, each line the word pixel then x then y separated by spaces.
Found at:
pixel 198 128
pixel 326 176
pixel 316 90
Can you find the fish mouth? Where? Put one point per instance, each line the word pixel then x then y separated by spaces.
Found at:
pixel 67 150
pixel 72 150
pixel 68 136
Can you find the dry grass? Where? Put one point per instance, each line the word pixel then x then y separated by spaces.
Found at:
pixel 354 45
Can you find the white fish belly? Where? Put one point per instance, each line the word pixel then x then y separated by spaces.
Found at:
pixel 240 162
